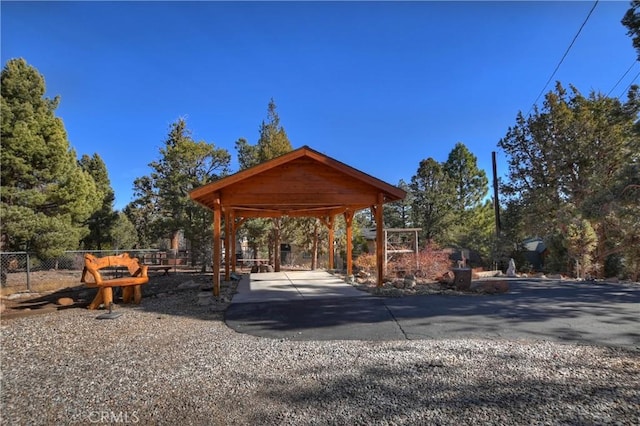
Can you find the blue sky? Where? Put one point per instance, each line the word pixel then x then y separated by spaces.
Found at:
pixel 377 85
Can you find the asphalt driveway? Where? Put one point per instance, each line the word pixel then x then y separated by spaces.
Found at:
pixel 315 305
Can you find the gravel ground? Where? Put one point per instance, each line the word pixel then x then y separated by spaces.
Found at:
pixel 171 361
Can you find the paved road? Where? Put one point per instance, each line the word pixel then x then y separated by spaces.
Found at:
pixel 317 306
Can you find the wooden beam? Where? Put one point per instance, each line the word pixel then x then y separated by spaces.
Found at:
pixel 348 218
pixel 313 200
pixel 380 263
pixel 329 223
pixel 276 242
pixel 227 245
pixel 232 222
pixel 217 212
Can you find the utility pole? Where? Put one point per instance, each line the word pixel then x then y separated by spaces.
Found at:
pixel 496 201
pixel 496 208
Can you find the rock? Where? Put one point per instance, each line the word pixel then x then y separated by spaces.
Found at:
pixel 15 296
pixel 265 268
pixel 398 284
pixel 409 281
pixel 555 277
pixel 363 274
pixel 205 299
pixel 447 278
pixel 65 301
pixel 3 307
pixel 511 271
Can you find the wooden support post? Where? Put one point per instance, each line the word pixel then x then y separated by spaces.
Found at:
pixel 380 261
pixel 227 246
pixel 330 225
pixel 415 249
pixel 217 212
pixel 348 218
pixel 107 296
pixel 232 221
pixel 276 242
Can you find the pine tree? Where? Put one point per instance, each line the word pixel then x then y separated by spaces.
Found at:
pixel 470 223
pixel 433 200
pixel 272 142
pixel 123 234
pixel 631 20
pixel 398 213
pixel 469 181
pixel 46 198
pixel 102 221
pixel 577 157
pixel 184 165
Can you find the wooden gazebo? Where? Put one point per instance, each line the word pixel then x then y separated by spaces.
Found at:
pixel 301 183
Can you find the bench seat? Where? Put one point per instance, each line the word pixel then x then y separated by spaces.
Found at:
pixel 132 285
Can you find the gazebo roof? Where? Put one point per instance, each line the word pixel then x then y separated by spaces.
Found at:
pixel 302 182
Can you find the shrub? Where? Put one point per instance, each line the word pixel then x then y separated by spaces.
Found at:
pixel 433 262
pixel 366 262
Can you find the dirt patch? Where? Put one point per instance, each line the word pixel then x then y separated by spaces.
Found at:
pixel 66 285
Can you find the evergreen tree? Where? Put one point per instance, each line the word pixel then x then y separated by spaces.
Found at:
pixel 575 159
pixel 101 222
pixel 433 199
pixel 398 213
pixel 46 198
pixel 272 142
pixel 470 183
pixel 123 234
pixel 143 212
pixel 471 224
pixel 184 164
pixel 631 20
pixel 247 154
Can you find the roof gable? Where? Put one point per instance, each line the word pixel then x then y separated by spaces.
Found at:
pixel 302 182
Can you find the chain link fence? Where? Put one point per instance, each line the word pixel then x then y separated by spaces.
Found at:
pixel 23 271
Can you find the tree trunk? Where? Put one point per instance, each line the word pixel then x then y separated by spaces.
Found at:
pixel 314 257
pixel 175 240
pixel 276 245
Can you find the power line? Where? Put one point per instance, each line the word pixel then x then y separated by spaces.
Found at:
pixel 564 56
pixel 623 76
pixel 628 86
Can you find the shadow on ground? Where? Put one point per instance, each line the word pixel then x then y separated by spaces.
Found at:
pixel 592 313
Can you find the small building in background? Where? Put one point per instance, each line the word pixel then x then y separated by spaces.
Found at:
pixel 534 252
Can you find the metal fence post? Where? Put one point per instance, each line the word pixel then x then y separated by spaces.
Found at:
pixel 28 274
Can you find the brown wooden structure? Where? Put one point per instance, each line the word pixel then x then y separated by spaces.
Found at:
pixel 132 285
pixel 301 183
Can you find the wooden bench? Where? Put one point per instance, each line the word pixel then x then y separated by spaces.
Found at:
pixel 131 284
